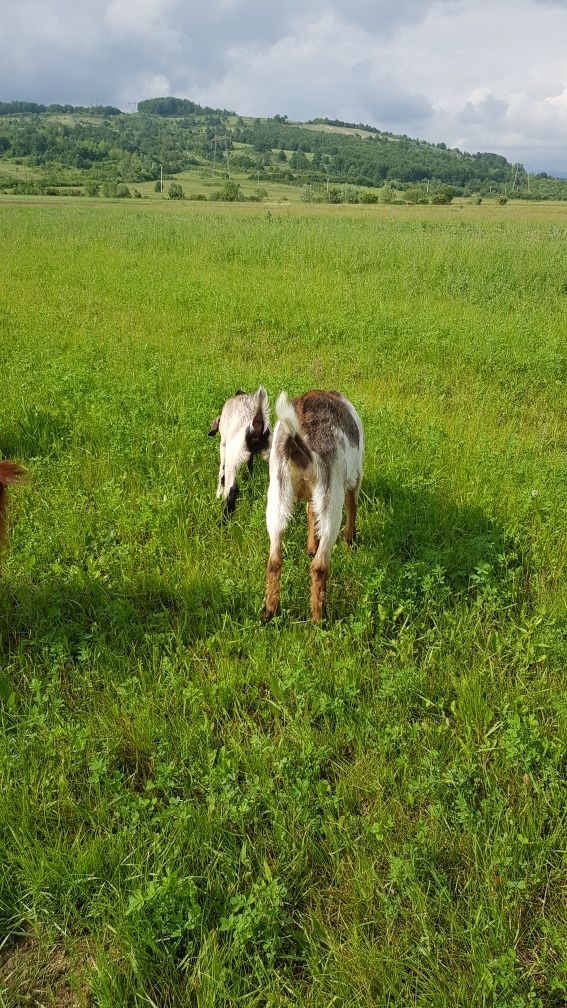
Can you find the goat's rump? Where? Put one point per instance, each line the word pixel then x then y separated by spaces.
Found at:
pixel 319 417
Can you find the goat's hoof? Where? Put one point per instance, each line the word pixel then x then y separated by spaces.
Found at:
pixel 267 615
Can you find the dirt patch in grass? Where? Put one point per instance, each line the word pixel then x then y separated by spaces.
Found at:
pixel 42 975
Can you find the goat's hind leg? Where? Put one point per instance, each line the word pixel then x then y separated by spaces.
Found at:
pixel 312 537
pixel 328 515
pixel 277 517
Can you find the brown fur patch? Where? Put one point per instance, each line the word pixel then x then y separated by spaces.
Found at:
pixel 10 472
pixel 296 451
pixel 319 413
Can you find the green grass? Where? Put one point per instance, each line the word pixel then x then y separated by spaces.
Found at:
pixel 199 810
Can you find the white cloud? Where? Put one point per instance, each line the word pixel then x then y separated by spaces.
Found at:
pixel 478 74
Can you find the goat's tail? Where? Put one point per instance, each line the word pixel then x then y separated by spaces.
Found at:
pixel 10 472
pixel 295 448
pixel 287 415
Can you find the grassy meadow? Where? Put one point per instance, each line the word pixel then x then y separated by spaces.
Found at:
pixel 198 810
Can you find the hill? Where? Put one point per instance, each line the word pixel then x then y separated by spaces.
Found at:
pixel 64 148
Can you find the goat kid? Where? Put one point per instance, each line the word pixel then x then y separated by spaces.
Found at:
pixel 317 457
pixel 10 472
pixel 244 427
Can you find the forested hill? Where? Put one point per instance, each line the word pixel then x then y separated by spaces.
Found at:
pixel 102 146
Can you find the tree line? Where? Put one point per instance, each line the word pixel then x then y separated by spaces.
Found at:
pixel 77 145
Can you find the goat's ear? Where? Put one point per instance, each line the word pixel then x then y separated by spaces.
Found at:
pixel 214 426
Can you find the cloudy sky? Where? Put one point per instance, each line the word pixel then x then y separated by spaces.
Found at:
pixel 476 74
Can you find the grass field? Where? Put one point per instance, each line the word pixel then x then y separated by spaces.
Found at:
pixel 197 810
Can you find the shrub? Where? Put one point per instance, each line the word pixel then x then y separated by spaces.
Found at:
pixel 442 197
pixel 122 191
pixel 230 193
pixel 502 200
pixel 175 191
pixel 92 188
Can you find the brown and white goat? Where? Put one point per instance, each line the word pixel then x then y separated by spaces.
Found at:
pixel 317 456
pixel 10 472
pixel 244 427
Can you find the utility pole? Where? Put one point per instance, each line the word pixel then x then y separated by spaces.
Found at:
pixel 161 178
pixel 214 142
pixel 517 167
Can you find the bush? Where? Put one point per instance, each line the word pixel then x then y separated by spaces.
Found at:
pixel 92 188
pixel 502 200
pixel 334 195
pixel 230 193
pixel 442 197
pixel 157 186
pixel 122 191
pixel 175 191
pixel 367 196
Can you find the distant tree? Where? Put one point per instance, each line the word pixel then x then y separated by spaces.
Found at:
pixel 157 186
pixel 175 191
pixel 367 196
pixel 230 192
pixel 442 196
pixel 92 188
pixel 414 195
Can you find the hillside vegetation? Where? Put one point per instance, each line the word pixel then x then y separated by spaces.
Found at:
pixel 58 148
pixel 198 810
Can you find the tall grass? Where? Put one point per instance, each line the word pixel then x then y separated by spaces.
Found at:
pixel 196 809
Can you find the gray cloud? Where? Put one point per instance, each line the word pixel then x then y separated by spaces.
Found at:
pixel 479 74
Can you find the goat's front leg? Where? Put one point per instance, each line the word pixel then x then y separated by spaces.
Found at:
pixel 220 484
pixel 230 488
